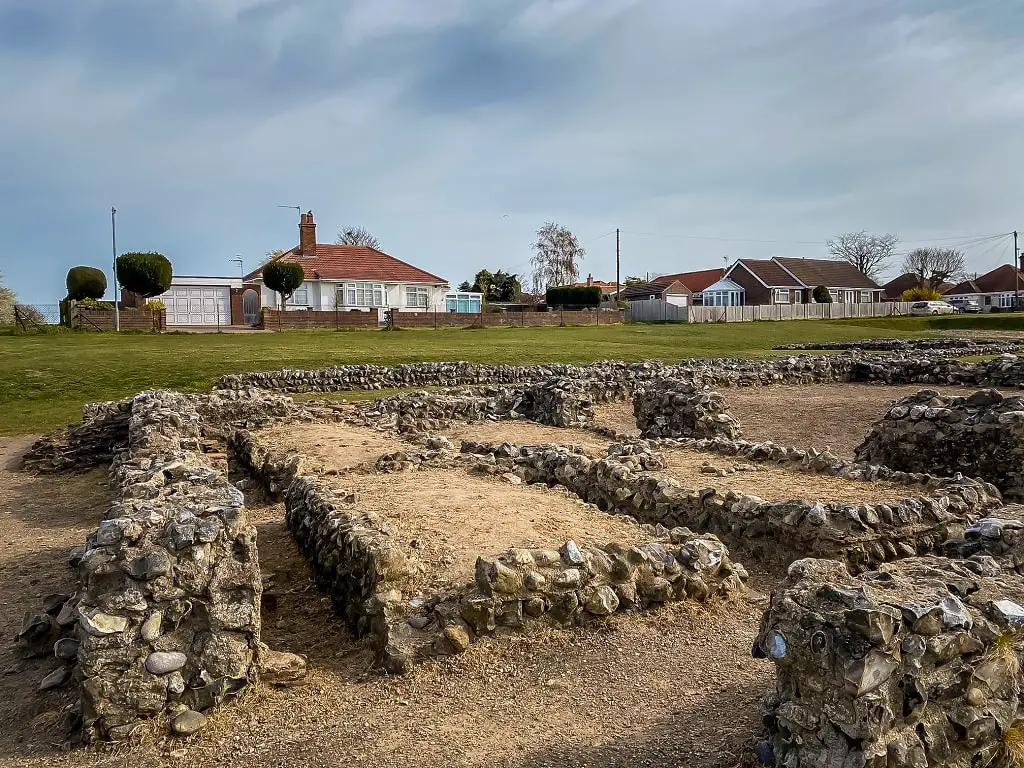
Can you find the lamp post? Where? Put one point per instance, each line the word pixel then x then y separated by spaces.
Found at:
pixel 113 247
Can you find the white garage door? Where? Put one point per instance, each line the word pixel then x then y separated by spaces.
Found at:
pixel 197 305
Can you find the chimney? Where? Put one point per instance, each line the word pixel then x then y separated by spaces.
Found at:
pixel 307 235
pixel 590 280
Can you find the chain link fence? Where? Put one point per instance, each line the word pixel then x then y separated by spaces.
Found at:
pixel 34 316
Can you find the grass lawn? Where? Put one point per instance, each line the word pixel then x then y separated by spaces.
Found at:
pixel 45 379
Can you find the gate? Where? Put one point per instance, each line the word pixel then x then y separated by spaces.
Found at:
pixel 250 307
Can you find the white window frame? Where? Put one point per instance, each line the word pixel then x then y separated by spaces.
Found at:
pixel 365 295
pixel 417 296
pixel 782 295
pixel 865 297
pixel 1005 300
pixel 300 298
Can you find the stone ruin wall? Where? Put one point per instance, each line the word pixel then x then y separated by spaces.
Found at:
pixel 862 535
pixel 914 665
pixel 681 408
pixel 358 563
pixel 981 435
pixel 94 442
pixel 167 617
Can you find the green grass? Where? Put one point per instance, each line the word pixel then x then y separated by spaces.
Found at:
pixel 45 379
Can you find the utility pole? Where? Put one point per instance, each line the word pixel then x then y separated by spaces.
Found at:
pixel 616 264
pixel 113 246
pixel 1016 273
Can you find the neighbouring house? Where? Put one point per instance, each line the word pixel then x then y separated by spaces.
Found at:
pixel 607 289
pixel 893 290
pixel 669 291
pixel 782 280
pixel 995 290
pixel 356 277
pixel 710 288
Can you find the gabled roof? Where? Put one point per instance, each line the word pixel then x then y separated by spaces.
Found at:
pixel 1003 279
pixel 769 273
pixel 907 281
pixel 353 262
pixel 696 281
pixel 832 273
pixel 656 288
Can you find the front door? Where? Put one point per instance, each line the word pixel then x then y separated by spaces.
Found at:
pixel 250 307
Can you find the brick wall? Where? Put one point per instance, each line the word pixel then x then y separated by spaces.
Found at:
pixel 131 319
pixel 276 320
pixel 489 319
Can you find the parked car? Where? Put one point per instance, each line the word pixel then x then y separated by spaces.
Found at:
pixel 970 306
pixel 931 308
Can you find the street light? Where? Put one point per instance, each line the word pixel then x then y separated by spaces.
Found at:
pixel 113 247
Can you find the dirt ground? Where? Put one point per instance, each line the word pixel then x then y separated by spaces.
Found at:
pixel 447 518
pixel 675 687
pixel 835 416
pixel 617 416
pixel 775 483
pixel 527 433
pixel 331 446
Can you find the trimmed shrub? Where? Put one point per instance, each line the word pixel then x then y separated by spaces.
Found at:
pixel 921 294
pixel 153 305
pixel 573 296
pixel 144 274
pixel 283 277
pixel 821 295
pixel 86 283
pixel 93 304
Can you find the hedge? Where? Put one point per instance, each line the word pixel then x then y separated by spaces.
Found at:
pixel 574 296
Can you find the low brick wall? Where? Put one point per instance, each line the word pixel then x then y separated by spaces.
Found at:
pixel 511 319
pixel 130 319
pixel 275 320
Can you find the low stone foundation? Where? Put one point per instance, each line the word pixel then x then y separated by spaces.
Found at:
pixel 861 535
pixel 914 665
pixel 981 435
pixel 357 562
pixel 677 408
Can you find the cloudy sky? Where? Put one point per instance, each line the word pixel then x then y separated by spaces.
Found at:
pixel 452 129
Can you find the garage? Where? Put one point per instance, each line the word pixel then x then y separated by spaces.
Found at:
pixel 198 301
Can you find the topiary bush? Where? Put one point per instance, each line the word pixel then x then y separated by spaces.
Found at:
pixel 283 277
pixel 144 274
pixel 921 294
pixel 86 283
pixel 821 295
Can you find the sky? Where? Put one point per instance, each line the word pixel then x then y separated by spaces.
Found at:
pixel 453 129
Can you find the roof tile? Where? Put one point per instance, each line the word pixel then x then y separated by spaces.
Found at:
pixel 354 262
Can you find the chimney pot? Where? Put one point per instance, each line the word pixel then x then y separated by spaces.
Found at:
pixel 307 235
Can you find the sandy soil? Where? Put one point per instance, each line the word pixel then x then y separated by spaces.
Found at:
pixel 447 518
pixel 331 446
pixel 617 416
pixel 669 688
pixel 40 519
pixel 775 483
pixel 835 416
pixel 527 433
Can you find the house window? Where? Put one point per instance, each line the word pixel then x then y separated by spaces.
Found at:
pixel 415 297
pixel 865 297
pixel 300 298
pixel 782 295
pixel 1005 300
pixel 364 295
pixel 721 298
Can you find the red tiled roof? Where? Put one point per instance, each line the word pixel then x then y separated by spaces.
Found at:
pixel 832 273
pixel 354 262
pixel 1000 280
pixel 770 273
pixel 696 281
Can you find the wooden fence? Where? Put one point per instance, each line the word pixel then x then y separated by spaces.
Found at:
pixel 663 312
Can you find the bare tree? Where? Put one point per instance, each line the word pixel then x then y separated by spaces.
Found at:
pixel 868 253
pixel 934 266
pixel 357 236
pixel 556 257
